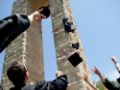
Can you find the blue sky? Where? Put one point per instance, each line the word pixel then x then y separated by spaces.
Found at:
pixel 98 23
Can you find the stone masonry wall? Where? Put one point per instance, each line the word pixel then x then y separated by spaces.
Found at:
pixel 27 47
pixel 63 43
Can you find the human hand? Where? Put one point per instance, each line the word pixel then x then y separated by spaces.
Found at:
pixel 96 71
pixel 114 59
pixel 36 16
pixel 59 73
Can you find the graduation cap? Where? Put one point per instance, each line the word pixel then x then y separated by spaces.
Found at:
pixel 75 45
pixel 46 11
pixel 75 59
pixel 69 27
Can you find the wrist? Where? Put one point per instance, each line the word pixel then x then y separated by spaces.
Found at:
pixel 102 78
pixel 30 17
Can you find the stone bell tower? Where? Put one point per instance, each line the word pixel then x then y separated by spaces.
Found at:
pixel 28 46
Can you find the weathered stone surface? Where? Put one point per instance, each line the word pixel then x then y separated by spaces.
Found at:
pixel 63 44
pixel 28 46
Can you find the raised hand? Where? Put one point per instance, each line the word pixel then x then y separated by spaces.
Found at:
pixel 114 59
pixel 59 73
pixel 98 73
pixel 36 16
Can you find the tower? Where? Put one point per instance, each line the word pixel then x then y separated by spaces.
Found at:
pixel 28 46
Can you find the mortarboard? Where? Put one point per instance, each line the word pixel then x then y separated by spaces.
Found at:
pixel 75 59
pixel 46 11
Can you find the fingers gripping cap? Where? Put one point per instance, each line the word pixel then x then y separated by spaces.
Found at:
pixel 46 11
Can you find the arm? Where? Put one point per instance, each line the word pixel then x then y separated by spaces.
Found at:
pixel 14 25
pixel 91 85
pixel 106 82
pixel 97 72
pixel 109 85
pixel 60 83
pixel 117 65
pixel 85 77
pixel 11 27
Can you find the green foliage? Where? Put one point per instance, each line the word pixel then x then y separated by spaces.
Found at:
pixel 100 86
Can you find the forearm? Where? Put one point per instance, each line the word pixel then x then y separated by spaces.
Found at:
pixel 109 85
pixel 101 77
pixel 91 85
pixel 11 27
pixel 117 66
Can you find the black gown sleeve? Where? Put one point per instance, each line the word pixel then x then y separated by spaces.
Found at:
pixel 109 85
pixel 57 84
pixel 60 83
pixel 11 27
